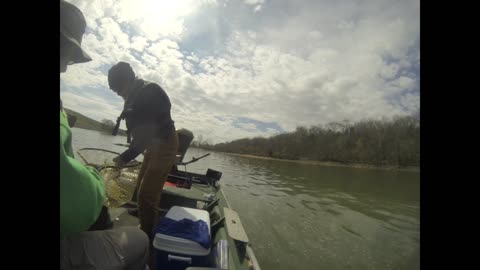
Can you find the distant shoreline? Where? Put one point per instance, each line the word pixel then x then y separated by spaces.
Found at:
pixel 332 164
pixel 84 122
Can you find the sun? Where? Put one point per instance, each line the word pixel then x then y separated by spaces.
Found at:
pixel 158 17
pixel 169 9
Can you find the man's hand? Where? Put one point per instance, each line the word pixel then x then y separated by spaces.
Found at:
pixel 118 161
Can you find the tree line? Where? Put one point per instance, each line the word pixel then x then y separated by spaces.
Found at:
pixel 394 141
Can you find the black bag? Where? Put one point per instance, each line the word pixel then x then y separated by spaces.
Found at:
pixel 103 221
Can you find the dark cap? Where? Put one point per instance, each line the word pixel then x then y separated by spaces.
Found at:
pixel 120 74
pixel 72 28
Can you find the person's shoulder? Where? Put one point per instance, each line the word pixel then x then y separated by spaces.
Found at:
pixel 151 88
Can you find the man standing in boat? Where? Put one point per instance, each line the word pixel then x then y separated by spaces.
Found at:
pixel 148 120
pixel 82 191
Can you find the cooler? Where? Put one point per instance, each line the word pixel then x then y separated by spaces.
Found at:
pixel 179 253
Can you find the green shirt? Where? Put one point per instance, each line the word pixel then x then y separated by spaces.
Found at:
pixel 82 192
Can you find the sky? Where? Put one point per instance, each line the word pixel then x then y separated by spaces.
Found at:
pixel 250 68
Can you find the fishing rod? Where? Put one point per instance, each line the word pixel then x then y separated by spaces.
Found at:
pixel 193 160
pixel 133 163
pixel 182 163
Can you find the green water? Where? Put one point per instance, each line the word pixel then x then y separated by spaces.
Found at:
pixel 301 216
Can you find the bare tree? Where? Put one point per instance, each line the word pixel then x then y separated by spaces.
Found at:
pixel 394 141
pixel 107 124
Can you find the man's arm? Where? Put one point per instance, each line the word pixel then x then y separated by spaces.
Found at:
pixel 142 136
pixel 150 106
pixel 82 193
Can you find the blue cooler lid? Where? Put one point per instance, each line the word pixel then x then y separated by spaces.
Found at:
pixel 165 242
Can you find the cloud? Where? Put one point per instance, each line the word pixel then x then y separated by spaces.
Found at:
pixel 253 2
pixel 255 125
pixel 247 126
pixel 404 82
pixel 139 43
pixel 302 63
pixel 256 3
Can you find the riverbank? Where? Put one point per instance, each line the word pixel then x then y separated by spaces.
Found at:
pixel 336 164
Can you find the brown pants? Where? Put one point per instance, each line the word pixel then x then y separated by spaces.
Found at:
pixel 157 163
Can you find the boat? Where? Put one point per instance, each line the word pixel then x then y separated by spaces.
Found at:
pixel 194 191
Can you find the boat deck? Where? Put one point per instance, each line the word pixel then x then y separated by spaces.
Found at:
pixel 193 198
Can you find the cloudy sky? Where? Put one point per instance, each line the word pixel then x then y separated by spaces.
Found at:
pixel 247 68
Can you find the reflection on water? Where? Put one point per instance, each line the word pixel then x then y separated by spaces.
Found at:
pixel 306 217
pixel 301 216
